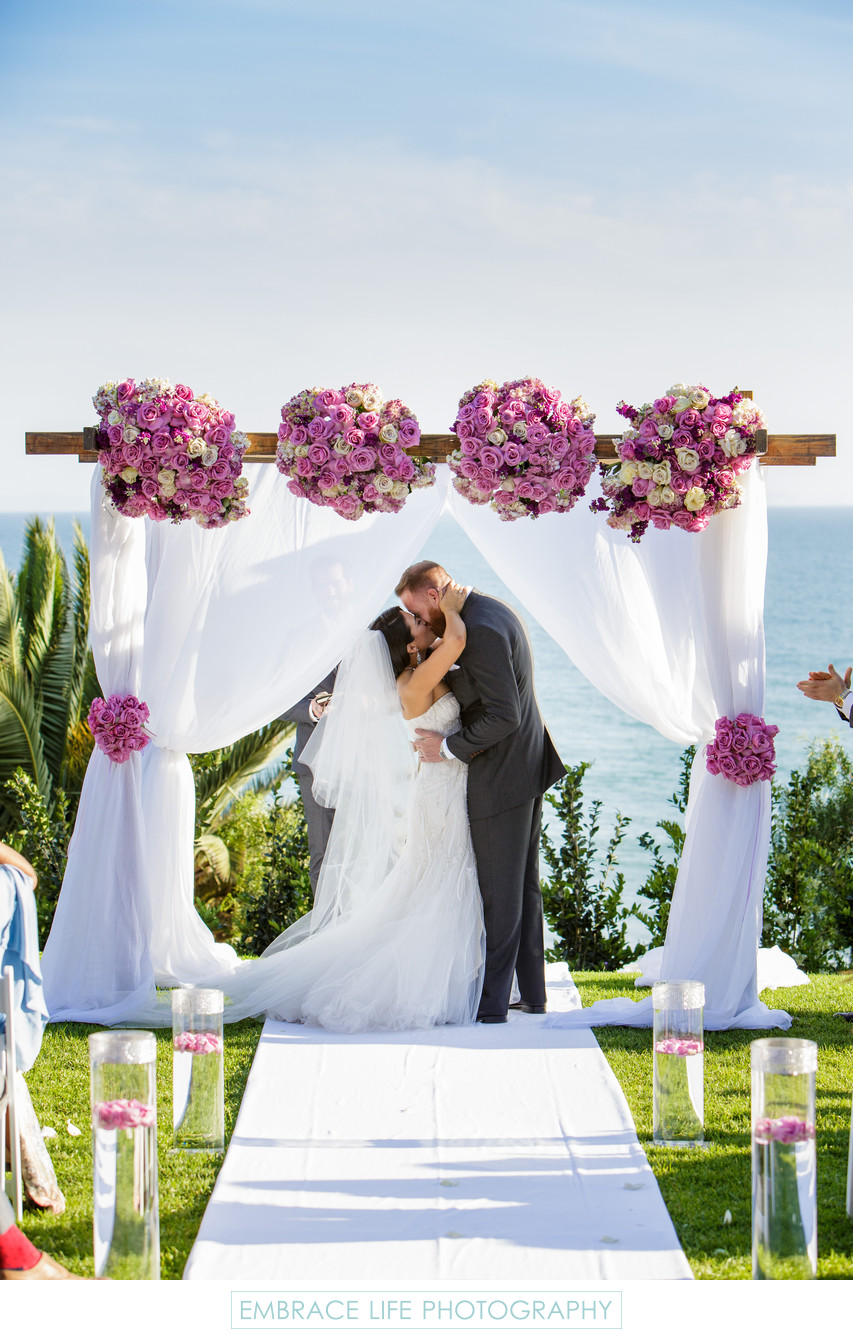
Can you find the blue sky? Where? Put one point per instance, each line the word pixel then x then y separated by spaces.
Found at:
pixel 252 197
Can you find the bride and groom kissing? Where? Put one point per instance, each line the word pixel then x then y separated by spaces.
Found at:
pixel 427 904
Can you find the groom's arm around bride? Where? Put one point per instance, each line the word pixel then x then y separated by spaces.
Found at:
pixel 512 762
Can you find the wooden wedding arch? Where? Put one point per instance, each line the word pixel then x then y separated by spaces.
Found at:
pixel 775 448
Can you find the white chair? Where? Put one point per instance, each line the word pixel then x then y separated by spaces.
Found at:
pixel 7 1102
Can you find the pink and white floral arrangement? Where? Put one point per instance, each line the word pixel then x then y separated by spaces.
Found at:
pixel 523 449
pixel 679 460
pixel 347 449
pixel 118 725
pixel 743 749
pixel 170 455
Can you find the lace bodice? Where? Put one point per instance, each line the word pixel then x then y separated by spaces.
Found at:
pixel 442 716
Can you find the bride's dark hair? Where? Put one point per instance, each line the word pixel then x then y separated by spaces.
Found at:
pixel 393 627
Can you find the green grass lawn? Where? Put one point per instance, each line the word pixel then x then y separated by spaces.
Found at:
pixel 699 1186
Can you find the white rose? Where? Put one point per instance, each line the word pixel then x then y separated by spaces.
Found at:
pixel 508 485
pixel 628 473
pixel 383 484
pixel 497 438
pixel 662 474
pixel 688 460
pixel 353 397
pixel 372 399
pixel 699 397
pixel 114 417
pixel 644 470
pixel 209 456
pixel 665 431
pixel 300 452
pixel 341 447
pixel 387 433
pixel 130 434
pixel 400 490
pixel 167 490
pixel 677 389
pixel 519 430
pixel 667 496
pixel 653 498
pixel 694 499
pixel 128 475
pixel 196 447
pixel 165 477
pixel 682 403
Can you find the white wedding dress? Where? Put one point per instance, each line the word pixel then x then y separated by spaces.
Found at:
pixel 410 954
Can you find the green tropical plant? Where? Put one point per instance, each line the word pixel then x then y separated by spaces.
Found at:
pixel 47 675
pixel 583 905
pixel 660 884
pixel 43 838
pixel 232 787
pixel 808 898
pixel 284 893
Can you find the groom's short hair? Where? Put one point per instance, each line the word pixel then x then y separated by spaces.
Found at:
pixel 421 577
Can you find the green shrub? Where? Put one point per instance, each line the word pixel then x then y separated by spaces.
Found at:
pixel 582 903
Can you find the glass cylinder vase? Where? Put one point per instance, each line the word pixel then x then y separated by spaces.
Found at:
pixel 784 1165
pixel 679 1060
pixel 124 1131
pixel 198 1079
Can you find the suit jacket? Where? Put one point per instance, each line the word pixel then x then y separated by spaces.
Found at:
pixel 305 723
pixel 503 738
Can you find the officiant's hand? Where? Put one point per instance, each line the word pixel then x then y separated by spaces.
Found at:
pixel 825 685
pixel 428 745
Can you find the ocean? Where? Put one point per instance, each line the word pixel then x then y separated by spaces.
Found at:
pixel 634 771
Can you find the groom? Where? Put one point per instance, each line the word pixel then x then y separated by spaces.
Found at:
pixel 512 762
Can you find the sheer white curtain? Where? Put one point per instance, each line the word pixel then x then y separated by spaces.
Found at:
pixel 218 632
pixel 671 631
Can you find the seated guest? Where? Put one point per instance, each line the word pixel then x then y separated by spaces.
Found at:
pixel 19 1259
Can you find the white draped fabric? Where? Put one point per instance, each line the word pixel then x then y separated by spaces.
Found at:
pixel 220 631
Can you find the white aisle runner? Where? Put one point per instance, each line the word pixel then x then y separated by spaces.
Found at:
pixel 503 1152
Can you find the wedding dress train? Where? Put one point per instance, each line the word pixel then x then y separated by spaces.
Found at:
pixel 408 954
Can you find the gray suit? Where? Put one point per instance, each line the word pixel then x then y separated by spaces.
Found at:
pixel 317 818
pixel 512 762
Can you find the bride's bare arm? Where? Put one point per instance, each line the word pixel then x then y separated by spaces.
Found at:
pixel 416 689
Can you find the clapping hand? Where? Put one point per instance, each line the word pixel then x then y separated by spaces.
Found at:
pixel 825 685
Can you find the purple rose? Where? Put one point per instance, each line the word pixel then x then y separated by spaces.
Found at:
pixel 464 413
pixel 729 765
pixel 537 433
pixel 318 454
pixel 327 479
pixel 483 400
pixel 353 436
pixel 465 430
pixel 681 438
pixel 115 434
pixel 513 453
pixel 346 506
pixel 319 429
pixel 326 399
pixel 161 440
pixel 642 511
pixel 409 433
pixel 405 469
pixel 298 436
pixel 196 413
pixel 183 392
pixel 217 436
pixel 370 493
pixel 341 415
pixel 362 458
pixel 126 390
pixel 368 421
pixel 492 458
pixel 304 467
pixel 648 431
pixel 688 418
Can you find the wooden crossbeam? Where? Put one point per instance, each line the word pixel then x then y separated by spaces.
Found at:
pixel 779 448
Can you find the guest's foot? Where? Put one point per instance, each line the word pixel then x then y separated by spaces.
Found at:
pixel 44 1269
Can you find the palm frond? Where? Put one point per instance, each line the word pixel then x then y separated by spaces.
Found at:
pixel 11 640
pixel 20 732
pixel 211 852
pixel 232 768
pixel 42 596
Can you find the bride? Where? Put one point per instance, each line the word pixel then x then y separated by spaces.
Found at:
pixel 395 939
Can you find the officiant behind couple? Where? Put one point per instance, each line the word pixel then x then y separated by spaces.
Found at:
pixel 428 900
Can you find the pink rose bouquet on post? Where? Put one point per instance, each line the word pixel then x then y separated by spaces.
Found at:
pixel 742 750
pixel 679 460
pixel 170 455
pixel 118 725
pixel 348 449
pixel 523 449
